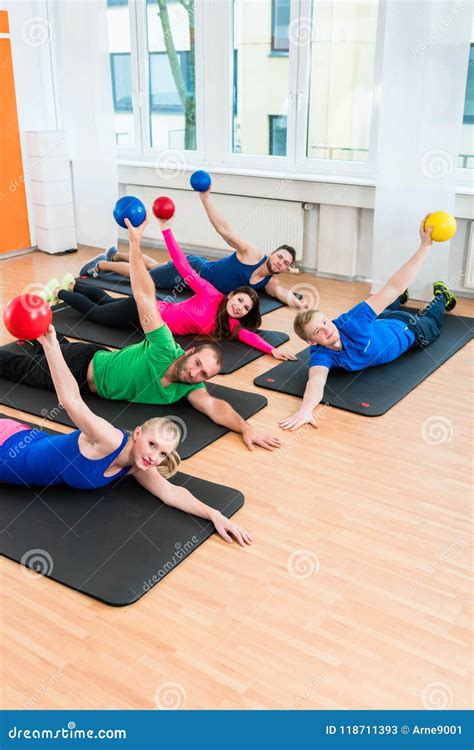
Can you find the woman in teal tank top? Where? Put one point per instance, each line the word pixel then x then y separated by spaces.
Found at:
pixel 97 453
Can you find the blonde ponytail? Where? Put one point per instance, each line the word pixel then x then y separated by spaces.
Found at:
pixel 169 433
pixel 169 466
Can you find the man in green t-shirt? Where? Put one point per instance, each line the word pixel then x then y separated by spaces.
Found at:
pixel 157 371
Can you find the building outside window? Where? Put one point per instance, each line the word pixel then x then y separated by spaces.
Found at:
pixel 280 21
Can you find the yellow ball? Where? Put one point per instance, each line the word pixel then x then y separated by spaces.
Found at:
pixel 444 226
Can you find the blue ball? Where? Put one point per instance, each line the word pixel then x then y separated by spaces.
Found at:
pixel 131 208
pixel 200 181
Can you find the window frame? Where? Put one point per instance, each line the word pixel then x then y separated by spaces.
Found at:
pixel 256 161
pixel 174 158
pixel 336 167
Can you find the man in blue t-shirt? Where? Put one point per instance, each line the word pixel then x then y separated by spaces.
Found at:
pixel 371 333
pixel 247 266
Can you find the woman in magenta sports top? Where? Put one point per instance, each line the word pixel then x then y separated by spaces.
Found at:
pixel 97 453
pixel 208 312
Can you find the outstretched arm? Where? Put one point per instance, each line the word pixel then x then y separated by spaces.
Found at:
pixel 143 287
pixel 95 429
pixel 274 289
pixel 222 413
pixel 402 279
pixel 222 227
pixel 312 397
pixel 193 280
pixel 251 338
pixel 181 498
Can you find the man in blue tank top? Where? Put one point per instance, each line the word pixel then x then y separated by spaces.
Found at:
pixel 247 266
pixel 372 333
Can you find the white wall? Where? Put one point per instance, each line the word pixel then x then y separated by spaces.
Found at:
pixel 423 80
pixel 84 92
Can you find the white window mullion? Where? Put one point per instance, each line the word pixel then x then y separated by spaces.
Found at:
pixel 295 91
pixel 217 42
pixel 135 151
pixel 378 65
pixel 300 42
pixel 140 57
pixel 200 45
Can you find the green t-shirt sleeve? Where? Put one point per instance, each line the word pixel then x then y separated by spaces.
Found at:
pixel 161 345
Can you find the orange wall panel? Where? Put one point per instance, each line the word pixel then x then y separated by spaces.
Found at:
pixel 4 26
pixel 14 227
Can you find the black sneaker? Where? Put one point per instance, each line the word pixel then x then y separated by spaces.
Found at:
pixel 439 287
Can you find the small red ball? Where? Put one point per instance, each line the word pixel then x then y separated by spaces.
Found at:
pixel 163 207
pixel 27 316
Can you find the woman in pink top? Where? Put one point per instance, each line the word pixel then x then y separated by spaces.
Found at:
pixel 208 312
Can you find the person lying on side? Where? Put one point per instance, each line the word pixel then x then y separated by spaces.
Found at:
pixel 372 333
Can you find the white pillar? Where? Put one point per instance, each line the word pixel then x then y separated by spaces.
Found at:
pixel 84 94
pixel 422 86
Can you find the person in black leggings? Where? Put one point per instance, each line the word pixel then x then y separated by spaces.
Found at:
pixel 100 307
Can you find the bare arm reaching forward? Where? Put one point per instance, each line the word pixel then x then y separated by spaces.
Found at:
pixel 312 397
pixel 181 498
pixel 222 413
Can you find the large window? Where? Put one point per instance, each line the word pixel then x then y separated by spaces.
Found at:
pixel 466 156
pixel 262 77
pixel 293 90
pixel 342 52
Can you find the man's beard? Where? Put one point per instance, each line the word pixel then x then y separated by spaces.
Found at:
pixel 180 370
pixel 272 270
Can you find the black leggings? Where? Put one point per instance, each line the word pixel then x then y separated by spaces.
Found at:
pixel 101 308
pixel 26 363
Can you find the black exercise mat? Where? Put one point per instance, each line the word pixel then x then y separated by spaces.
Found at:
pixel 198 431
pixel 113 282
pixel 373 391
pixel 114 543
pixel 71 323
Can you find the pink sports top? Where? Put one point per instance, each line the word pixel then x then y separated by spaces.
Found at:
pixel 198 313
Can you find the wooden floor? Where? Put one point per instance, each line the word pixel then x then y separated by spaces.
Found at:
pixel 356 593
